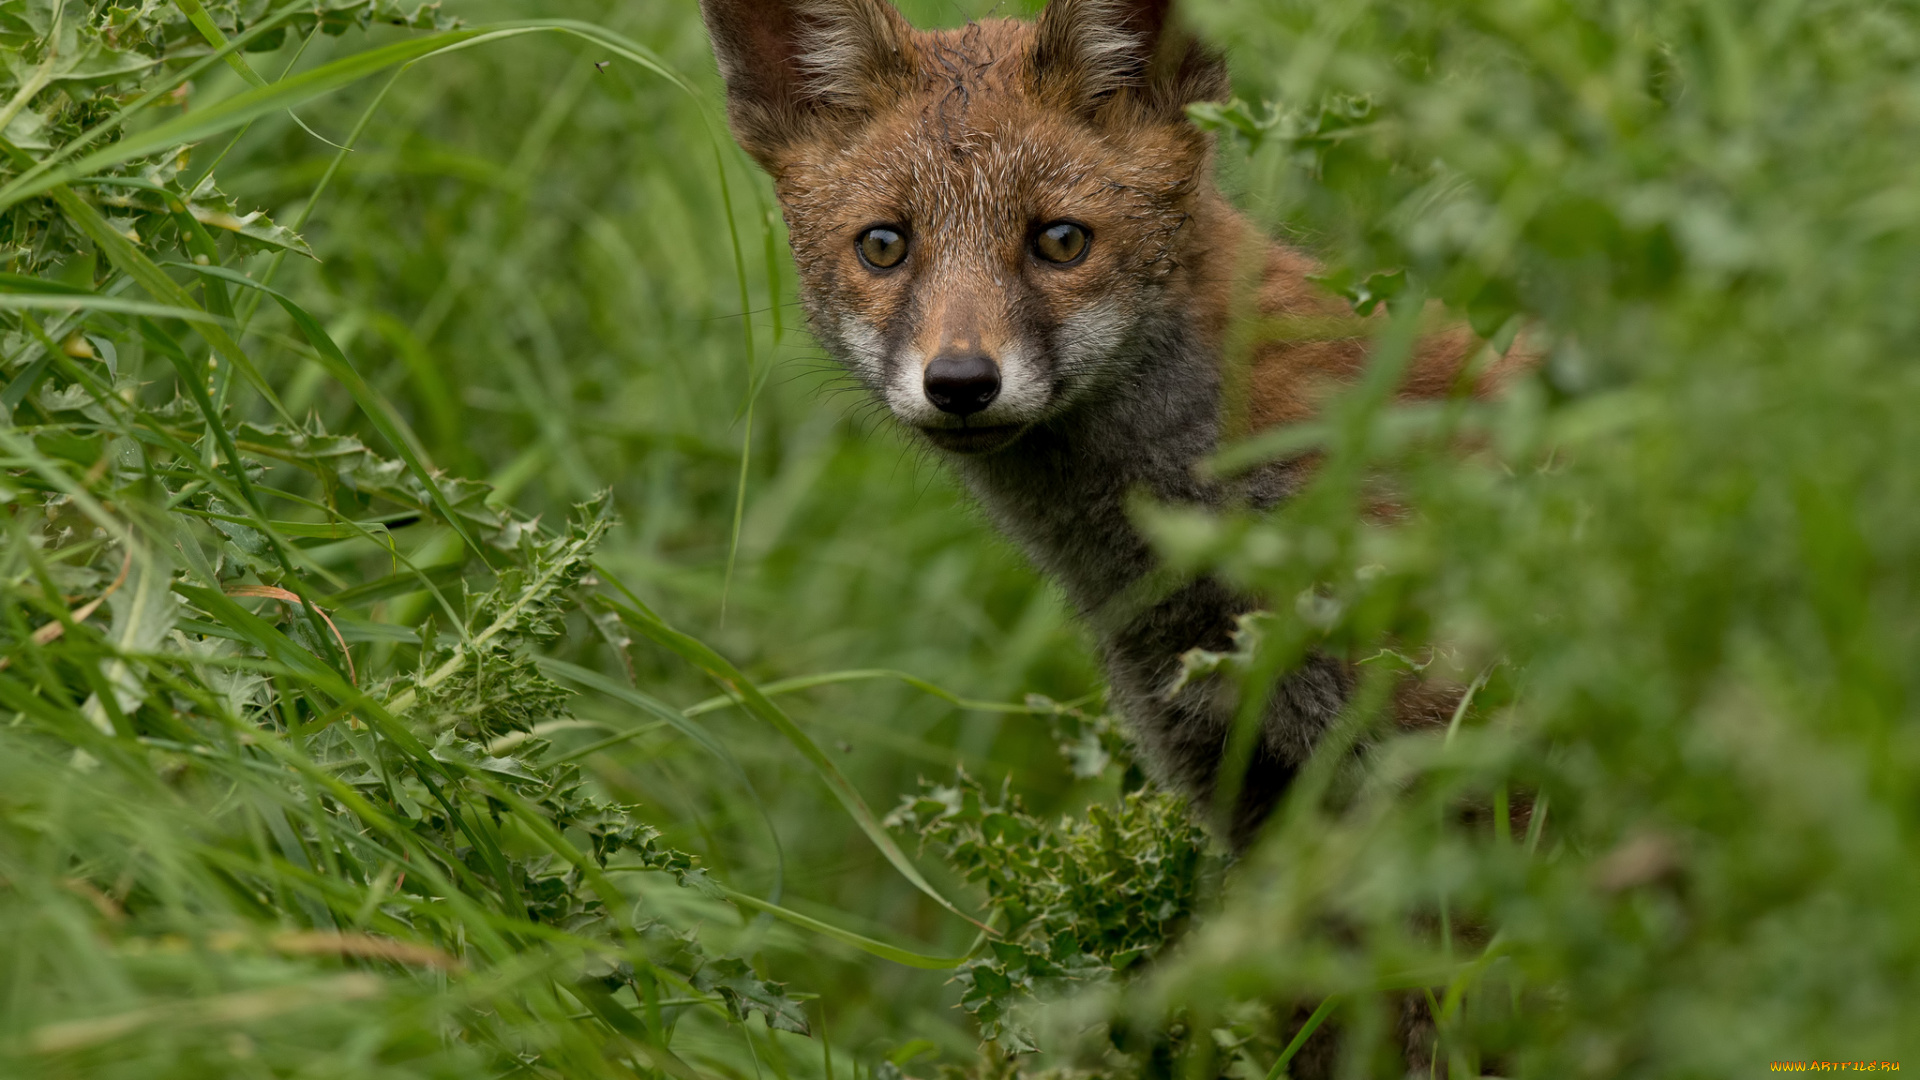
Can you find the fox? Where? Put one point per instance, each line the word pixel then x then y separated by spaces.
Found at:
pixel 1010 234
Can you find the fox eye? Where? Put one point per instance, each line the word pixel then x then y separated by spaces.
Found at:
pixel 1062 242
pixel 881 247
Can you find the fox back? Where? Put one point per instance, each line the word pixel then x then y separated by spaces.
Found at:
pixel 1010 234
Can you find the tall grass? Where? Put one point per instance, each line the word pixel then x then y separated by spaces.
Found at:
pixel 447 633
pixel 299 708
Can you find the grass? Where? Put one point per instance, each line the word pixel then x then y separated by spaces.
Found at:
pixel 348 729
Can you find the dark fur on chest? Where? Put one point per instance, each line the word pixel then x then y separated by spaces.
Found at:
pixel 1062 493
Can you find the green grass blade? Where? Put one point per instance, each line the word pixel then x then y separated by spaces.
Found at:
pixel 832 678
pixel 33 173
pixel 1300 1038
pixel 924 961
pixel 197 15
pixel 730 678
pixel 131 261
pixel 647 703
pixel 377 409
pixel 200 124
pixel 679 720
pixel 112 305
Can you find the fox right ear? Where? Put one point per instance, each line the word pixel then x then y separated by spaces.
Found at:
pixel 798 69
pixel 1122 58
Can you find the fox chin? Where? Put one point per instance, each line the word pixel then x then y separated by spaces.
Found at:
pixel 1010 234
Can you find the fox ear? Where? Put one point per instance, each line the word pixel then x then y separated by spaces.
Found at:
pixel 796 69
pixel 1122 59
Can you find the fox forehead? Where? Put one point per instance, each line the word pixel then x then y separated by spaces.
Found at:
pixel 970 158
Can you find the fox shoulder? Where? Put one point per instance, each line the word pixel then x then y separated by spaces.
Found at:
pixel 1309 344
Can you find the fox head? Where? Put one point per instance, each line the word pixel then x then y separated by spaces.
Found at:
pixel 989 221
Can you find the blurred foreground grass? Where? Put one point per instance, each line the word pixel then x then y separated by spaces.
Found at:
pixel 289 785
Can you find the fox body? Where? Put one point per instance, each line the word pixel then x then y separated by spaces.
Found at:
pixel 1010 234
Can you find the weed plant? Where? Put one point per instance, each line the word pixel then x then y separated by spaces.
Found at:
pixel 445 634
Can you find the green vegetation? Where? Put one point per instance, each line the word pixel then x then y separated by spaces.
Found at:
pixel 446 633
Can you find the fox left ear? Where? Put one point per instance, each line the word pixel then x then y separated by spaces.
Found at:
pixel 802 69
pixel 1122 59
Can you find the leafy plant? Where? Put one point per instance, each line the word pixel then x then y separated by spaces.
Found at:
pixel 1077 902
pixel 280 792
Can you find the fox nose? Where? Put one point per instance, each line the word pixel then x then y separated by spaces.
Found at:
pixel 964 384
